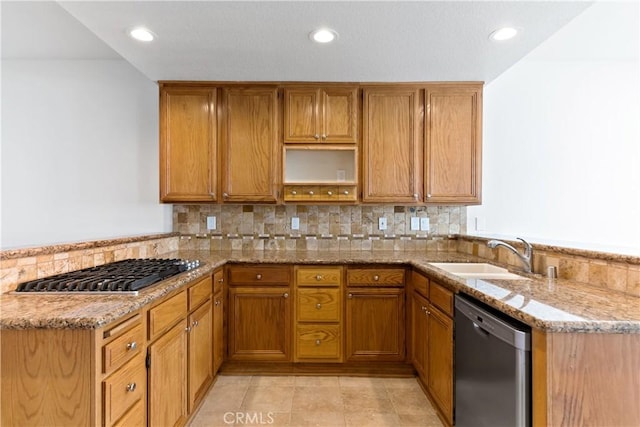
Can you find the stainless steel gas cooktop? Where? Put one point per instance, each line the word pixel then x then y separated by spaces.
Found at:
pixel 121 277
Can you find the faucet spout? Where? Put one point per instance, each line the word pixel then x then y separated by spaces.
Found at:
pixel 524 257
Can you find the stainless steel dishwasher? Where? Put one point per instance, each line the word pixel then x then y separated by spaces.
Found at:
pixel 492 367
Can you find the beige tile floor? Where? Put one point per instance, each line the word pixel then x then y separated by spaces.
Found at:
pixel 315 401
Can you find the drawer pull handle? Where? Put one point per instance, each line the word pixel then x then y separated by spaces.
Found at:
pixel 258 276
pixel 132 345
pixel 131 387
pixel 195 323
pixel 286 295
pixel 318 342
pixel 318 306
pixel 376 278
pixel 318 277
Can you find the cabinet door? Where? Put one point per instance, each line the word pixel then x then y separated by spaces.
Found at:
pixel 339 115
pixel 200 352
pixel 167 394
pixel 301 115
pixel 391 152
pixel 419 335
pixel 218 331
pixel 453 150
pixel 260 323
pixel 188 149
pixel 440 361
pixel 251 151
pixel 375 324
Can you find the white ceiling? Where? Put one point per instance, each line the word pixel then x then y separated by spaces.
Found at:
pixel 268 40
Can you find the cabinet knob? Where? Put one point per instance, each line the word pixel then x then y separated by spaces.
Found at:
pixel 329 193
pixel 225 195
pixel 217 302
pixel 318 306
pixel 376 278
pixel 188 329
pixel 423 308
pixel 131 387
pixel 258 276
pixel 132 345
pixel 428 195
pixel 318 342
pixel 415 196
pixel 213 195
pixel 294 192
pixel 285 295
pixel 311 193
pixel 319 277
pixel 316 136
pixel 220 280
pixel 195 323
pixel 346 192
pixel 350 295
pixel 324 136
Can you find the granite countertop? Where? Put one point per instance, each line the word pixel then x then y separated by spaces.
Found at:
pixel 553 306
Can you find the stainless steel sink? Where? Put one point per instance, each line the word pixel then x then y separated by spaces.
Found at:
pixel 476 270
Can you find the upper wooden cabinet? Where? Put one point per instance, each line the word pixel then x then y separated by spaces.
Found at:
pixel 326 115
pixel 250 146
pixel 453 144
pixel 188 149
pixel 391 146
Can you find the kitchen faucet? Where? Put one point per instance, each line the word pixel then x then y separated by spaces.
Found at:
pixel 525 258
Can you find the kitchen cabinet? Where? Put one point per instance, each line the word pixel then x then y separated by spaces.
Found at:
pixel 259 313
pixel 327 114
pixel 188 144
pixel 375 314
pixel 219 347
pixel 180 362
pixel 318 332
pixel 432 341
pixel 250 145
pixel 453 143
pixel 392 145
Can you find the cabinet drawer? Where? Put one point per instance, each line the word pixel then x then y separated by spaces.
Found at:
pixel 124 389
pixel 348 193
pixel 135 416
pixel 123 348
pixel 420 283
pixel 441 298
pixel 319 276
pixel 167 313
pixel 318 304
pixel 259 275
pixel 199 293
pixel 318 342
pixel 375 277
pixel 293 193
pixel 218 280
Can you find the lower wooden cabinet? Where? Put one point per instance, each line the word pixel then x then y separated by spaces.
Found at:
pixel 375 324
pixel 200 352
pixel 259 323
pixel 218 331
pixel 432 343
pixel 168 378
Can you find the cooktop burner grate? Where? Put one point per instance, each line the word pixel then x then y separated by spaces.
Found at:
pixel 128 276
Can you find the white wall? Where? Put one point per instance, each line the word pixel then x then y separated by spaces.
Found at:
pixel 562 139
pixel 79 152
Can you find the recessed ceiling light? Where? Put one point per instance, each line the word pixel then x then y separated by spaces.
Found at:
pixel 505 33
pixel 323 35
pixel 142 34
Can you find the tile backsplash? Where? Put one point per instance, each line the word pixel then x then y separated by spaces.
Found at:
pixel 322 227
